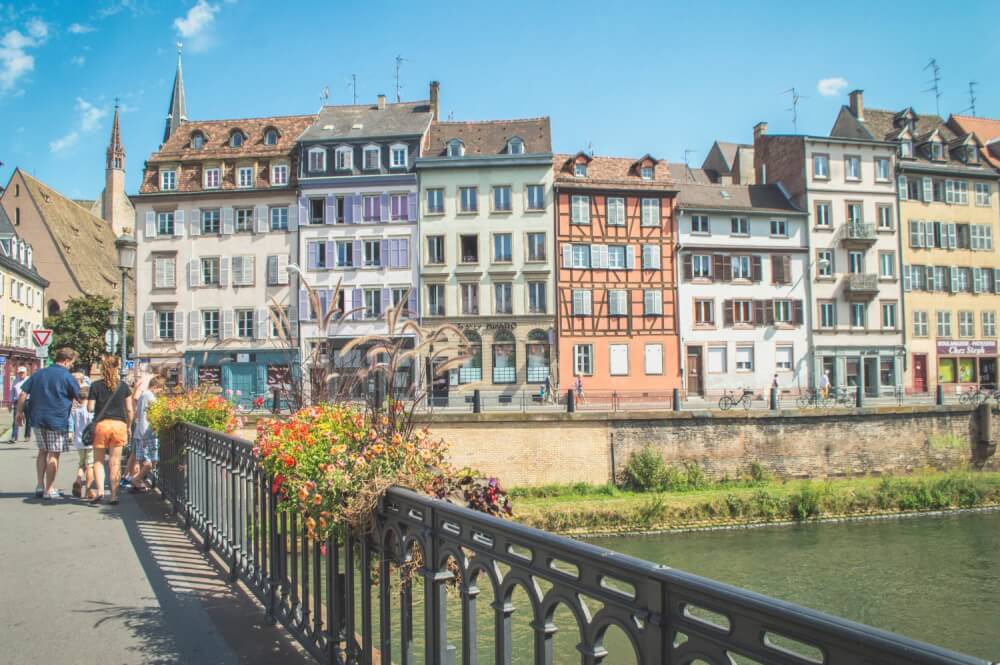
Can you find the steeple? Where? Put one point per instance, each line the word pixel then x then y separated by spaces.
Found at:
pixel 116 151
pixel 114 207
pixel 177 111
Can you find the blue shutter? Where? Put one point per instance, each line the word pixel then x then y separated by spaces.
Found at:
pixel 404 253
pixel 357 298
pixel 412 305
pixel 312 259
pixel 303 305
pixel 330 210
pixel 386 299
pixel 331 259
pixel 349 209
pixel 384 213
pixel 356 205
pixel 359 260
pixel 411 206
pixel 383 252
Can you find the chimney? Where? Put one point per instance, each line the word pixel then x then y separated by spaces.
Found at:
pixel 381 102
pixel 435 91
pixel 759 130
pixel 858 104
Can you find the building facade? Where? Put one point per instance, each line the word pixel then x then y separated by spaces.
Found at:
pixel 615 287
pixel 743 289
pixel 949 213
pixel 848 188
pixel 486 257
pixel 358 207
pixel 22 298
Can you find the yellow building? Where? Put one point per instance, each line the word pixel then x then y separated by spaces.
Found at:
pixel 949 213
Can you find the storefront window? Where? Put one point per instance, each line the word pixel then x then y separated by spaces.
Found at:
pixel 967 370
pixel 830 366
pixel 988 372
pixel 538 356
pixel 504 358
pixel 887 372
pixel 853 371
pixel 472 371
pixel 946 370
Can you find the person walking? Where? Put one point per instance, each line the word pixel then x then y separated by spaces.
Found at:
pixel 579 390
pixel 110 402
pixel 15 392
pixel 824 384
pixel 52 391
pixel 145 445
pixel 83 487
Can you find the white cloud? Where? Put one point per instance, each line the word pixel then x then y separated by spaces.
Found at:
pixel 79 28
pixel 38 29
pixel 65 142
pixel 78 60
pixel 15 61
pixel 88 120
pixel 195 27
pixel 832 87
pixel 116 7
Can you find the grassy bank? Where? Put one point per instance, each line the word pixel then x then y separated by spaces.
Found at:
pixel 590 509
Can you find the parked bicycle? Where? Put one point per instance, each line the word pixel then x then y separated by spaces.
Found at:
pixel 843 395
pixel 813 398
pixel 730 399
pixel 978 396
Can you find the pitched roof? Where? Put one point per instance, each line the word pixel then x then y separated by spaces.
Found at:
pixel 84 241
pixel 729 150
pixel 611 173
pixel 177 109
pixel 6 228
pixel 691 174
pixel 217 133
pixel 489 137
pixel 367 120
pixel 745 198
pixel 986 129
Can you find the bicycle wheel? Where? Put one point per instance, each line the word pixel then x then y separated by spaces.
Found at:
pixel 726 403
pixel 747 402
pixel 964 399
pixel 802 402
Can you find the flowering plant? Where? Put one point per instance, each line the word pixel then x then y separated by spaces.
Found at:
pixel 258 401
pixel 198 407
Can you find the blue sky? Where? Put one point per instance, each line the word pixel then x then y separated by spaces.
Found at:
pixel 625 78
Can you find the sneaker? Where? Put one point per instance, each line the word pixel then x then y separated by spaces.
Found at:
pixel 54 494
pixel 125 483
pixel 39 491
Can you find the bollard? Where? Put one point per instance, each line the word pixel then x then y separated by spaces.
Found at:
pixel 570 401
pixel 859 398
pixel 677 399
pixel 774 398
pixel 940 395
pixel 477 402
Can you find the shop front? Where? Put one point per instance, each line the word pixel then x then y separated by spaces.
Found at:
pixel 967 361
pixel 879 370
pixel 241 376
pixel 12 357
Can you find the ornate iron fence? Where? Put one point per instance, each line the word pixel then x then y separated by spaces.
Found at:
pixel 325 594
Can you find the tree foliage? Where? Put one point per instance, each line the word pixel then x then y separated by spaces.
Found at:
pixel 81 326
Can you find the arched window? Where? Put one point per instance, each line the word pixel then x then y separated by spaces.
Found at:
pixel 317 159
pixel 53 308
pixel 504 357
pixel 271 137
pixel 472 371
pixel 197 141
pixel 344 158
pixel 538 356
pixel 236 139
pixel 515 146
pixel 456 148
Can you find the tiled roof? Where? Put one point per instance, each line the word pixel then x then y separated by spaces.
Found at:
pixel 85 241
pixel 489 137
pixel 610 173
pixel 747 198
pixel 6 227
pixel 367 120
pixel 987 130
pixel 691 174
pixel 728 151
pixel 217 133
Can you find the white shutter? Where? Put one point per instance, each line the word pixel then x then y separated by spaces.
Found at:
pixel 953 279
pixel 272 270
pixel 618 359
pixel 949 191
pixel 178 326
pixel 262 322
pixel 293 217
pixel 238 270
pixel 224 271
pixel 977 280
pixel 249 268
pixel 907 278
pixel 170 273
pixel 928 228
pixel 227 221
pixel 916 234
pixel 928 187
pixel 150 225
pixel 654 359
pixel 293 323
pixel 282 269
pixel 630 257
pixel 260 219
pixel 194 273
pixel 567 253
pixel 194 326
pixel 178 223
pixel 952 236
pixel 227 324
pixel 194 224
pixel 149 326
pixel 901 187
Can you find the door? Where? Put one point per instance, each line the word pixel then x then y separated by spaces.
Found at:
pixel 871 377
pixel 919 373
pixel 694 385
pixel 241 380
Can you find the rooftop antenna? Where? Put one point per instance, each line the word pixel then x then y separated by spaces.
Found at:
pixel 451 116
pixel 687 153
pixel 353 84
pixel 972 98
pixel 399 86
pixel 325 94
pixel 796 98
pixel 935 82
pixel 590 148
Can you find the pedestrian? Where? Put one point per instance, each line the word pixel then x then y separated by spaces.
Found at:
pixel 52 391
pixel 145 445
pixel 578 386
pixel 15 392
pixel 110 402
pixel 774 383
pixel 548 388
pixel 83 486
pixel 824 384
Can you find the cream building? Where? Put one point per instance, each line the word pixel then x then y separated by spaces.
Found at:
pixel 949 211
pixel 21 304
pixel 486 250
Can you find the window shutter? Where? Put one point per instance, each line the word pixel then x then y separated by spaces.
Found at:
pixel 249 270
pixel 786 268
pixel 293 323
pixel 330 210
pixel 952 236
pixel 776 270
pixel 304 309
pixel 901 187
pixel 412 305
pixel 588 302
pixel 349 209
pixel 312 256
pixel 727 269
pixel 760 312
pixel 303 209
pixel 928 228
pixel 756 273
pixel 595 256
pixel 260 219
pixel 357 300
pixel 567 253
pixel 386 299
pixel 227 324
pixel 282 269
pixel 148 327
pixel 928 188
pixel 293 217
pixel 797 312
pixel 356 204
pixel 383 252
pixel 224 271
pixel 630 257
pixel 272 270
pixel 178 326
pixel 916 234
pixel 907 278
pixel 384 207
pixel 357 259
pixel 194 327
pixel 227 221
pixel 949 191
pixel 194 223
pixel 687 266
pixel 727 312
pixel 262 321
pixel 718 267
pixel 331 257
pixel 996 280
pixel 194 273
pixel 178 223
pixel 404 253
pixel 411 206
pixel 150 225
pixel 977 280
pixel 953 279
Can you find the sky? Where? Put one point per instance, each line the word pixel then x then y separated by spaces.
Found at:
pixel 626 78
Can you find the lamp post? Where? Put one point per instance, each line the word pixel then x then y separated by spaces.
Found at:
pixel 126 261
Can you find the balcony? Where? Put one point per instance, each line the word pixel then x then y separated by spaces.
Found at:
pixel 861 285
pixel 858 235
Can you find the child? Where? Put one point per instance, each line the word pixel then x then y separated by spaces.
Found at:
pixel 79 418
pixel 145 443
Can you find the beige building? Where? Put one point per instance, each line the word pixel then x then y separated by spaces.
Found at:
pixel 949 213
pixel 486 250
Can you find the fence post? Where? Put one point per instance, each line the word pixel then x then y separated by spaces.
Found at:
pixel 206 510
pixel 570 401
pixel 859 399
pixel 477 401
pixel 676 399
pixel 272 545
pixel 235 544
pixel 939 395
pixel 774 398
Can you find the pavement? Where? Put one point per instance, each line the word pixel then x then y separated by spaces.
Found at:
pixel 115 585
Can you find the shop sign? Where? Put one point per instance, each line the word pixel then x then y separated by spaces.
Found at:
pixel 242 357
pixel 967 347
pixel 209 375
pixel 489 325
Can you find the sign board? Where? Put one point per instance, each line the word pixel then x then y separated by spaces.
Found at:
pixel 111 339
pixel 42 352
pixel 967 347
pixel 3 360
pixel 129 364
pixel 242 357
pixel 41 337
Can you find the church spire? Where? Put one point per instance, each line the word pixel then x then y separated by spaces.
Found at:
pixel 116 151
pixel 177 112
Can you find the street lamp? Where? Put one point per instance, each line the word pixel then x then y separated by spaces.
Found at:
pixel 126 246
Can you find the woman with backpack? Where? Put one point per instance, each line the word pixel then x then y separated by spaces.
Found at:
pixel 110 402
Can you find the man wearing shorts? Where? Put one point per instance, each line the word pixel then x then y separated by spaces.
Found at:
pixel 52 392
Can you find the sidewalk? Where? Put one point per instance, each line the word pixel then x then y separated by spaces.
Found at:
pixel 115 584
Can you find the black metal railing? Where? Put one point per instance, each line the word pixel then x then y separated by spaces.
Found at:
pixel 623 609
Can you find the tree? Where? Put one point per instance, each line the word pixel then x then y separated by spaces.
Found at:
pixel 81 326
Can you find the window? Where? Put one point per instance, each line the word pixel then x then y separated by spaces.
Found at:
pixel 316 212
pixel 823 213
pixel 468 249
pixel 966 324
pixel 244 323
pixel 989 320
pixel 164 272
pixel 944 324
pixel 468 199
pixel 824 263
pixel 782 310
pixel 279 174
pixel 197 141
pixel 581 256
pixel 741 267
pixel 536 197
pixel 343 158
pixel 651 257
pixel 704 312
pixel 742 311
pixel 501 198
pixel 515 147
pixel 653 358
pixel 164 223
pixel 700 224
pixel 271 137
pixel 244 220
pixel 435 300
pixel 435 201
pixel 503 294
pixel 435 250
pixel 372 253
pixel 650 212
pixel 856 262
pixel 210 221
pixel 165 325
pixel 399 207
pixel 701 266
pixel 936 150
pixel 210 271
pixel 502 249
pixel 852 168
pixel 579 209
pixel 983 193
pixel 456 148
pixel 887 265
pixel 279 218
pixel 371 207
pixel 345 253
pixel 740 226
pixel 616 257
pixel 536 247
pixel 168 181
pixel 884 217
pixel 317 160
pixel 243 270
pixel 537 299
pixel 245 176
pixel 919 323
pixel 744 358
pixel 881 169
pixel 236 140
pixel 827 314
pixel 583 359
pixel 956 191
pixel 581 302
pixel 889 316
pixel 646 172
pixel 854 212
pixel 783 358
pixel 717 362
pixel 779 228
pixel 372 157
pixel 210 324
pixel 373 303
pixel 212 177
pixel 906 149
pixel 859 315
pixel 398 157
pixel 981 237
pixel 617 302
pixel 652 302
pixel 580 170
pixel 913 189
pixel 618 359
pixel 821 166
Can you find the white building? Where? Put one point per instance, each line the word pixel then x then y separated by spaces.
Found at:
pixel 743 287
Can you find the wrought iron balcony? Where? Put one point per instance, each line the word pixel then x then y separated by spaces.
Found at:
pixel 858 235
pixel 860 284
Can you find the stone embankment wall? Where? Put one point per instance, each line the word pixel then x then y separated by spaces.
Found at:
pixel 536 449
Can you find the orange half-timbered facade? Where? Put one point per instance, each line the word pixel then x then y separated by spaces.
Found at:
pixel 616 293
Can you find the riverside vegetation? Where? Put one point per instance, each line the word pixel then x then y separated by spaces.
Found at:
pixel 653 495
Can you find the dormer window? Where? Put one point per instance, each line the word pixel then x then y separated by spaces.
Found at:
pixel 198 141
pixel 271 137
pixel 344 156
pixel 236 140
pixel 646 172
pixel 168 181
pixel 398 156
pixel 971 154
pixel 580 170
pixel 30 261
pixel 317 160
pixel 937 150
pixel 372 158
pixel 515 146
pixel 906 149
pixel 456 148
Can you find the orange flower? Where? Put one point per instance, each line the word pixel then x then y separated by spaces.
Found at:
pixel 317 499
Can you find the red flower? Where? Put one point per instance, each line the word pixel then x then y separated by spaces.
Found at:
pixel 276 485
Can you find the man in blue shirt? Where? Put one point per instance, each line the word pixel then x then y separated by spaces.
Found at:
pixel 52 391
